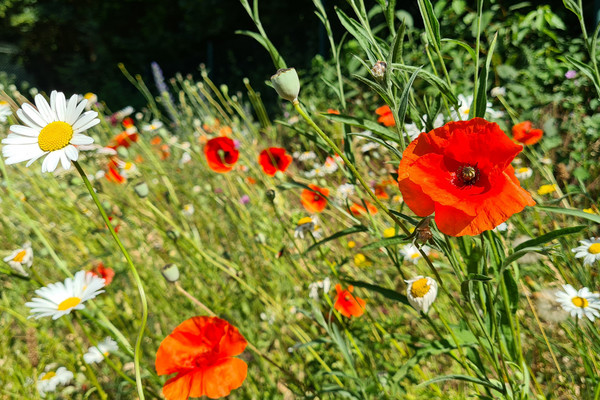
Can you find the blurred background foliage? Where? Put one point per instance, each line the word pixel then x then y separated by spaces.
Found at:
pixel 75 45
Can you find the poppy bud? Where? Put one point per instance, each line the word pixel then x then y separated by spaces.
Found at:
pixel 378 70
pixel 287 84
pixel 270 195
pixel 170 272
pixel 141 189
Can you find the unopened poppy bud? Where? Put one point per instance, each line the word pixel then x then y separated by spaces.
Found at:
pixel 287 84
pixel 141 189
pixel 378 70
pixel 270 195
pixel 170 272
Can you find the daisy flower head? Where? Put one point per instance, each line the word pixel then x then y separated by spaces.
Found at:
pixel 344 191
pixel 411 252
pixel 523 173
pixel 589 250
pixel 421 292
pixel 579 303
pixel 5 110
pixel 96 354
pixel 308 224
pixel 314 287
pixel 21 258
pixel 49 380
pixel 52 130
pixel 60 298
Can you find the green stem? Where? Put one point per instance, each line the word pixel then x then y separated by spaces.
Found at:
pixel 136 277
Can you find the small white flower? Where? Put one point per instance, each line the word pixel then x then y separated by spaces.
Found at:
pixel 96 354
pixel 316 171
pixel 314 287
pixel 305 156
pixel 154 125
pixel 365 148
pixel 47 381
pixel 523 173
pixel 589 250
pixel 421 292
pixel 91 98
pixel 308 224
pixel 52 129
pixel 412 130
pixel 466 102
pixel 344 191
pixel 185 158
pixel 411 252
pixel 546 160
pixel 5 110
pixel 58 299
pixel 579 303
pixel 331 164
pixel 188 210
pixel 438 120
pixel 21 258
pixel 501 228
pixel 498 91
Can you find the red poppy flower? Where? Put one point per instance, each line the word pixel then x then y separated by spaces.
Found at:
pixel 347 304
pixel 200 351
pixel 523 133
pixel 274 159
pixel 314 202
pixel 123 139
pixel 128 122
pixel 462 172
pixel 103 272
pixel 380 192
pixel 386 116
pixel 357 209
pixel 221 154
pixel 113 175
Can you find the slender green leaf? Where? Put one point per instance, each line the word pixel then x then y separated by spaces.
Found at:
pixel 432 26
pixel 465 378
pixel 347 231
pixel 550 236
pixel 387 293
pixel 431 78
pixel 385 242
pixel 567 211
pixel 480 99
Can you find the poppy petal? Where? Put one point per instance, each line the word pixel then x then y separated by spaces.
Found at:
pixel 219 379
pixel 178 387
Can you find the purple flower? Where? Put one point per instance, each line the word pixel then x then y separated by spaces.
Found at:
pixel 245 199
pixel 570 74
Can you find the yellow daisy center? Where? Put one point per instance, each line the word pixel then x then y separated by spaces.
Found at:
pixel 419 288
pixel 305 220
pixel 3 103
pixel 20 256
pixel 594 248
pixel 415 255
pixel 389 232
pixel 522 170
pixel 580 302
pixel 89 96
pixel 48 375
pixel 69 303
pixel 105 354
pixel 55 136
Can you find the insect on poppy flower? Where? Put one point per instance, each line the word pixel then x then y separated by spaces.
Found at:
pixel 386 117
pixel 347 304
pixel 462 172
pixel 221 154
pixel 201 351
pixel 357 209
pixel 523 133
pixel 274 159
pixel 313 201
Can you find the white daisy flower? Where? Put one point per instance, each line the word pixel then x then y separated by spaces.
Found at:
pixel 305 156
pixel 5 110
pixel 154 125
pixel 503 227
pixel 412 131
pixel 96 354
pixel 589 250
pixel 185 158
pixel 52 129
pixel 316 171
pixel 188 210
pixel 411 252
pixel 523 173
pixel 579 303
pixel 421 292
pixel 438 122
pixel 91 98
pixel 47 381
pixel 314 287
pixel 21 258
pixel 498 91
pixel 308 224
pixel 58 299
pixel 331 164
pixel 466 102
pixel 365 148
pixel 344 191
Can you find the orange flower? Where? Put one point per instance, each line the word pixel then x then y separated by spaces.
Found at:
pixel 165 151
pixel 314 202
pixel 357 209
pixel 113 175
pixel 380 192
pixel 386 116
pixel 462 172
pixel 103 272
pixel 274 159
pixel 523 133
pixel 156 140
pixel 128 122
pixel 251 180
pixel 333 111
pixel 123 139
pixel 221 154
pixel 200 350
pixel 347 304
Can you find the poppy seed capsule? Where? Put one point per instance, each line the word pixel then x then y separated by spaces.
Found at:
pixel 287 84
pixel 170 272
pixel 270 195
pixel 141 189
